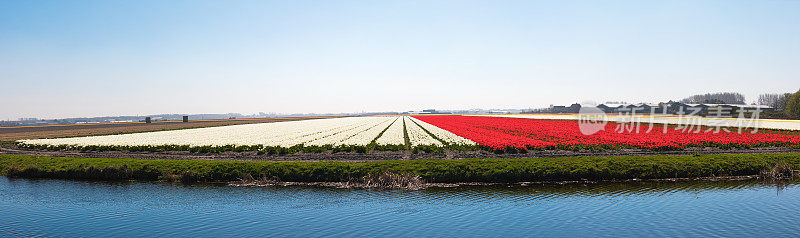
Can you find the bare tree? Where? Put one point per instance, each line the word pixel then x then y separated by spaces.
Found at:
pixel 781 102
pixel 769 99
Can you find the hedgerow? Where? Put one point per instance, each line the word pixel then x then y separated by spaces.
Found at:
pixel 431 170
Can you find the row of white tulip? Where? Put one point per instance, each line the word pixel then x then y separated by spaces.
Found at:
pixel 312 131
pixel 369 135
pixel 417 136
pixel 334 131
pixel 443 134
pixel 286 134
pixel 393 135
pixel 353 136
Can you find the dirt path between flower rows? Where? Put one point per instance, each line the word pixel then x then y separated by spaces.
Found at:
pixel 376 155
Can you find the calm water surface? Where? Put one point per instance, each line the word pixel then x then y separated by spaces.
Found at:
pixel 58 208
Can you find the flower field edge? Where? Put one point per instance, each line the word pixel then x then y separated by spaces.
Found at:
pixel 512 135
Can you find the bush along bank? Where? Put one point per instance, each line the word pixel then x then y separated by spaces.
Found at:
pixel 431 171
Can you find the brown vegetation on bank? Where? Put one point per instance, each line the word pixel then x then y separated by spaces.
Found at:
pixel 780 171
pixel 374 180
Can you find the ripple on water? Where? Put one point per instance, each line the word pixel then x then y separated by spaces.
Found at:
pixel 704 208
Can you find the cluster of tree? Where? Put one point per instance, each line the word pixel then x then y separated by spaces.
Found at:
pixel 716 98
pixel 775 100
pixel 789 103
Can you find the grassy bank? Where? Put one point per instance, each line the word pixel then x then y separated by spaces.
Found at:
pixel 445 171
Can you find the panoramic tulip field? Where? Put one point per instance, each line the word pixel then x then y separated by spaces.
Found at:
pixel 430 133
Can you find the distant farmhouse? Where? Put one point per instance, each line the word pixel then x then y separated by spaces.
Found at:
pixel 426 111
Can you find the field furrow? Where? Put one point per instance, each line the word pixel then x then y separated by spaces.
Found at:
pixel 371 134
pixel 441 134
pixel 417 136
pixel 393 135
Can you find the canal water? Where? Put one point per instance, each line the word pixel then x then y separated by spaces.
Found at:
pixel 60 208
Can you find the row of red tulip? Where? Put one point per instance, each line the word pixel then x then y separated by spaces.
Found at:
pixel 498 132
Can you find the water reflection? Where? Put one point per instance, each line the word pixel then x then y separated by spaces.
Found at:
pixel 690 208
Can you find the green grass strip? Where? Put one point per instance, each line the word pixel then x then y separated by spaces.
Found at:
pixel 405 135
pixel 383 131
pixel 431 170
pixel 445 143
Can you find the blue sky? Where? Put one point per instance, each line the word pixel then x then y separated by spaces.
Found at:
pixel 92 58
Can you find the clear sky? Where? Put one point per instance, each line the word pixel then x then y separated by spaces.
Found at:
pixel 91 58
